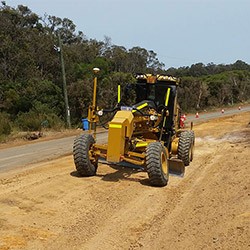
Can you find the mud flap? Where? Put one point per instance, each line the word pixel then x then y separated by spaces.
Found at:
pixel 176 167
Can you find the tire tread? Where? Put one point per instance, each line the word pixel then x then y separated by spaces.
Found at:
pixel 81 147
pixel 153 164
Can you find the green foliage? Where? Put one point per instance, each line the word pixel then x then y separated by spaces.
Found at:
pixel 5 127
pixel 107 94
pixel 39 117
pixel 81 94
pixel 84 70
pixel 215 90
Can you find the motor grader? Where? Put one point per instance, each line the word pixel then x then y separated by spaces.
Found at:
pixel 146 134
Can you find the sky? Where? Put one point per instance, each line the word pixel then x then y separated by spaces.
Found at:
pixel 181 32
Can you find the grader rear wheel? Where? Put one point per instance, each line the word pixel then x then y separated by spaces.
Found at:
pixel 157 164
pixel 185 148
pixel 86 164
pixel 192 138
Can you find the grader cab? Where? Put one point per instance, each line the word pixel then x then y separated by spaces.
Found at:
pixel 146 134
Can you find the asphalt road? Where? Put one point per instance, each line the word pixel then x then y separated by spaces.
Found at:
pixel 25 155
pixel 28 154
pixel 205 116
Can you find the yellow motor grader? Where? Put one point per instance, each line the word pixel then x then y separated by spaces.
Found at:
pixel 146 134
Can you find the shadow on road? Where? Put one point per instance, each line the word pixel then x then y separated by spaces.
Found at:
pixel 121 173
pixel 76 174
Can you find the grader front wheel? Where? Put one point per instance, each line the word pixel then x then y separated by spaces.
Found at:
pixel 157 164
pixel 86 164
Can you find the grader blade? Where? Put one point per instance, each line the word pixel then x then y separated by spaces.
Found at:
pixel 176 166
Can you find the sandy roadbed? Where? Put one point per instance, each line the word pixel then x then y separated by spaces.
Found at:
pixel 47 206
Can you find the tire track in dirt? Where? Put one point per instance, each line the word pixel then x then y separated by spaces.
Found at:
pixel 133 218
pixel 204 219
pixel 143 216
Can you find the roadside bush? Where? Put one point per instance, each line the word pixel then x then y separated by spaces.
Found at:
pixel 5 127
pixel 38 118
pixel 52 121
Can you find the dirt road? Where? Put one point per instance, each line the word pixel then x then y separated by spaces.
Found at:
pixel 47 206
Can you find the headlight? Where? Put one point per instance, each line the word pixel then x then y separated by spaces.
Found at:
pixel 100 112
pixel 153 118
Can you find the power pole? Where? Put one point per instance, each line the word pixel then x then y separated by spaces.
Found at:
pixel 64 83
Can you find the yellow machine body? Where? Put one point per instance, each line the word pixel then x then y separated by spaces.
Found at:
pixel 120 130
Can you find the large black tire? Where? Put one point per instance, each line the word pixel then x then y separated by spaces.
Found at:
pixel 185 147
pixel 157 164
pixel 85 165
pixel 192 138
